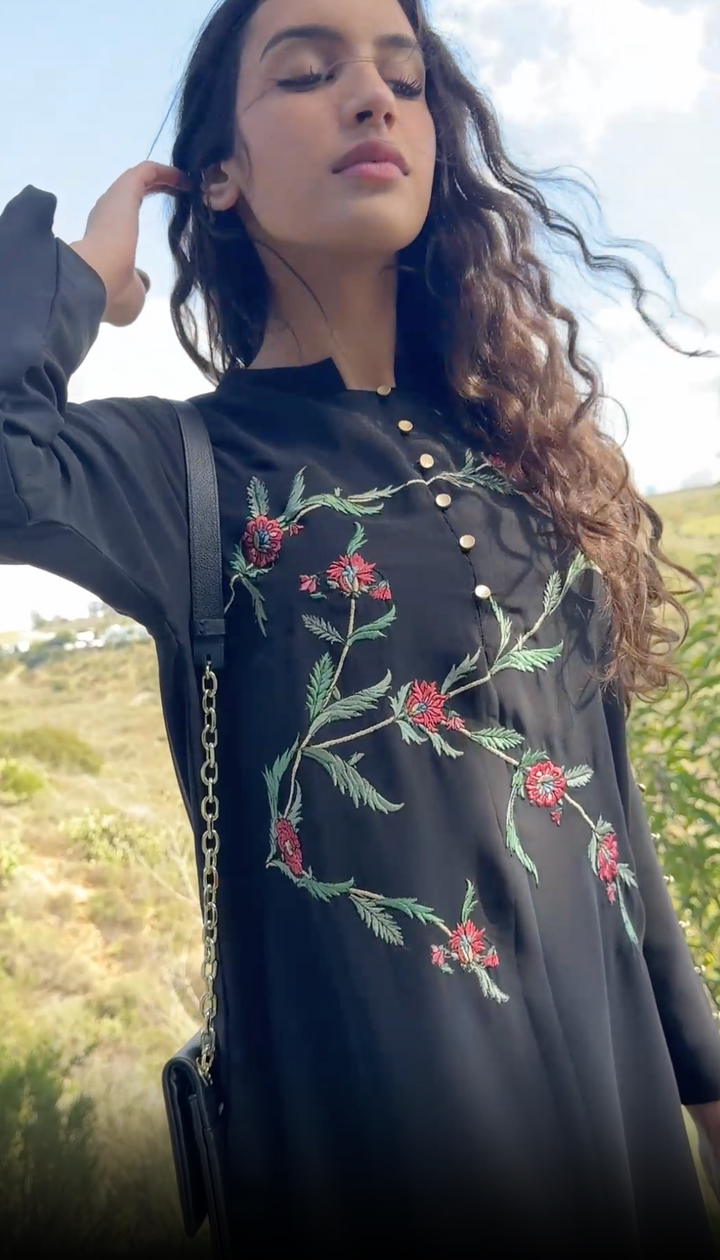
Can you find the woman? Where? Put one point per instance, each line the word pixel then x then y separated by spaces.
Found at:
pixel 452 985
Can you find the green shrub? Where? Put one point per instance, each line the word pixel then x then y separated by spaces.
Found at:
pixel 675 751
pixel 47 1164
pixel 106 836
pixel 53 746
pixel 12 851
pixel 18 782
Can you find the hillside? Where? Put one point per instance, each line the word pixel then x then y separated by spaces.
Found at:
pixel 99 920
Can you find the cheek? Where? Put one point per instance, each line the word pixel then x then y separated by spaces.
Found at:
pixel 284 149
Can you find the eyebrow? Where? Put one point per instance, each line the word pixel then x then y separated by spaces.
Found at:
pixel 329 35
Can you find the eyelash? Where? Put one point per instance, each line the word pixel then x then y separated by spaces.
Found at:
pixel 410 89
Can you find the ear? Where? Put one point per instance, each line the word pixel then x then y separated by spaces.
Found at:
pixel 222 185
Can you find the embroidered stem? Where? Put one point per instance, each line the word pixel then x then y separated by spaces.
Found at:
pixel 336 678
pixel 346 739
pixel 478 682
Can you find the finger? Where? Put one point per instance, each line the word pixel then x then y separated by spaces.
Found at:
pixel 155 174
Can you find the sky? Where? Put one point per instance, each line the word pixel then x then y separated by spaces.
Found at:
pixel 625 94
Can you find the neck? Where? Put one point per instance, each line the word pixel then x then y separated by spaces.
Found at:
pixel 349 315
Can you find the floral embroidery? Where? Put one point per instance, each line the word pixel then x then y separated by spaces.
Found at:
pixel 545 784
pixel 289 845
pixel 381 591
pixel 425 706
pixel 262 541
pixel 466 946
pixel 351 574
pixel 419 710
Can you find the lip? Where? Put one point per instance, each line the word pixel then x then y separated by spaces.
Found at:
pixel 372 151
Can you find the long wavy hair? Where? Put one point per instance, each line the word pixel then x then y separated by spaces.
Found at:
pixel 475 283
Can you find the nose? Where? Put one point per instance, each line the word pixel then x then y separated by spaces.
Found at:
pixel 368 97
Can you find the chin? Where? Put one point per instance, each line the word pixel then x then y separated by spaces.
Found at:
pixel 368 231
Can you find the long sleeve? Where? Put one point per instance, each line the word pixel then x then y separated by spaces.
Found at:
pixel 690 1031
pixel 94 493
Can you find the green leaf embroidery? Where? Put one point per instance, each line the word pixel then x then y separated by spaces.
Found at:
pixel 273 778
pixel 441 745
pixel 468 666
pixel 258 602
pixel 496 738
pixel 626 875
pixel 346 507
pixel 553 594
pixel 357 541
pixel 258 498
pixel 626 917
pixel 318 890
pixel 411 734
pixel 398 702
pixel 320 685
pixel 374 629
pixel 528 659
pixel 469 904
pixel 322 628
pixel 512 839
pixel 504 623
pixel 297 493
pixel 579 776
pixel 488 986
pixel 411 908
pixel 353 706
pixel 578 565
pixel 348 780
pixel 294 814
pixel 377 918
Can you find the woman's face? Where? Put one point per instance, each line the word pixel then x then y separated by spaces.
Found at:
pixel 317 79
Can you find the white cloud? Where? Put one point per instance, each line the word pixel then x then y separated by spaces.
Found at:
pixel 711 291
pixel 621 55
pixel 672 403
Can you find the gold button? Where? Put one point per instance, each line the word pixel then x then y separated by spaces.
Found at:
pixel 443 501
pixel 467 542
pixel 426 461
pixel 384 390
pixel 405 426
pixel 482 592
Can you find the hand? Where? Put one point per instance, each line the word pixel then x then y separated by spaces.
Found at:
pixel 110 242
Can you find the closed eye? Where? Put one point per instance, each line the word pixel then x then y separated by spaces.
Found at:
pixel 409 89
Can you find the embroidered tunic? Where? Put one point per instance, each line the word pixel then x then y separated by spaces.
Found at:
pixel 454 993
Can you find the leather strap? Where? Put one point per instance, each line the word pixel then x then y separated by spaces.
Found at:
pixel 206 584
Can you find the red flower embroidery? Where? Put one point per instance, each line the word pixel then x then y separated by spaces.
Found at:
pixel 611 892
pixel 351 574
pixel 309 583
pixel 607 858
pixel 491 959
pixel 455 723
pixel 497 461
pixel 545 784
pixel 289 846
pixel 294 529
pixel 425 706
pixel 467 943
pixel 381 591
pixel 437 956
pixel 556 816
pixel 262 541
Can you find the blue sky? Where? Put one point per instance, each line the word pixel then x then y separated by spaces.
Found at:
pixel 626 90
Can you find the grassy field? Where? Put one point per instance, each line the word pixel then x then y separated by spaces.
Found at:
pixel 99 922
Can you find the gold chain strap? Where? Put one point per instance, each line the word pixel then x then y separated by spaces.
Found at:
pixel 210 844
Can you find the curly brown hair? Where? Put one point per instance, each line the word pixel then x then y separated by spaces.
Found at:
pixel 474 279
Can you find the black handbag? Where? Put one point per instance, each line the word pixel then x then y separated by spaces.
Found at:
pixel 192 1102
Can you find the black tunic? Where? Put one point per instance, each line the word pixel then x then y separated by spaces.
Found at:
pixel 454 992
